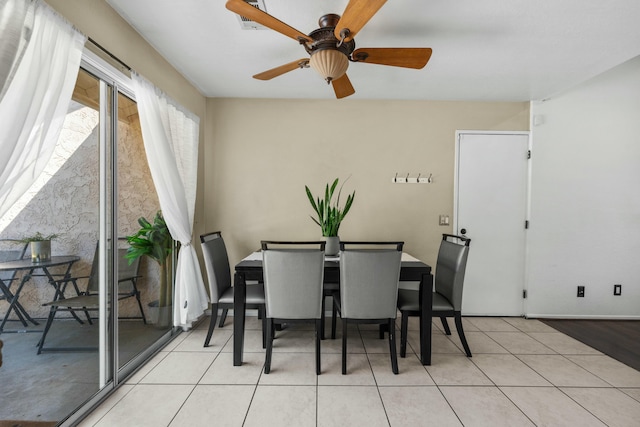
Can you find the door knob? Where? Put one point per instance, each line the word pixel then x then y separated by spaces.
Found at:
pixel 463 231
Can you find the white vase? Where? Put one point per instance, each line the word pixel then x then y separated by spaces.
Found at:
pixel 333 245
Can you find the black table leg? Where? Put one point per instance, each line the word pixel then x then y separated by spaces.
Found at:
pixel 239 304
pixel 15 305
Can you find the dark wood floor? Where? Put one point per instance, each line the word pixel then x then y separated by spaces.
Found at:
pixel 619 339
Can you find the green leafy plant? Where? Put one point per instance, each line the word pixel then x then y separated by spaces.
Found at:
pixel 38 237
pixel 330 215
pixel 155 241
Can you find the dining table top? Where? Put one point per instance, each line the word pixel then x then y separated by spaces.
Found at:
pixel 411 267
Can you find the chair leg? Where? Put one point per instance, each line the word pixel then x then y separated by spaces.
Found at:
pixel 334 316
pixel 322 316
pixel 86 313
pixel 318 367
pixel 445 325
pixel 263 313
pixel 344 346
pixel 223 317
pixel 144 318
pixel 52 315
pixel 212 324
pixel 267 356
pixel 404 329
pixel 392 346
pixel 463 339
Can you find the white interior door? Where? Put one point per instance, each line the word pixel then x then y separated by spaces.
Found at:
pixel 491 209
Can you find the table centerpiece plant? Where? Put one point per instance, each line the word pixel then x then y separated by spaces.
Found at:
pixel 330 214
pixel 154 241
pixel 40 246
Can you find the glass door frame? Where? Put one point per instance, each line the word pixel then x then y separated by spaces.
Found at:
pixel 112 83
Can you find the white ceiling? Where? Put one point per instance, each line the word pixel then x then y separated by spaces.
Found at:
pixel 503 50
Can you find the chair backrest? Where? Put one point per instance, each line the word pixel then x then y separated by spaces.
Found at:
pixel 93 283
pixel 450 268
pixel 216 263
pixel 11 250
pixel 369 279
pixel 127 273
pixel 293 276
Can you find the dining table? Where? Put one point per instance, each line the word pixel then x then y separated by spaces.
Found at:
pixel 411 270
pixel 29 269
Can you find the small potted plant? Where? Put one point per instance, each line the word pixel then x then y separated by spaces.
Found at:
pixel 40 246
pixel 155 241
pixel 330 214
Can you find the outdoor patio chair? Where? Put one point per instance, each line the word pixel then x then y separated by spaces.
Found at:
pixel 88 300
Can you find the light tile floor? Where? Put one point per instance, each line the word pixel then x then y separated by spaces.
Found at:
pixel 522 373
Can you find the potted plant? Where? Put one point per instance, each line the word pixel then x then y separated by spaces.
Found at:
pixel 330 214
pixel 40 246
pixel 155 241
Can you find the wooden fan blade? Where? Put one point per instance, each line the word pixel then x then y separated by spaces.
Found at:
pixel 356 15
pixel 278 71
pixel 342 87
pixel 407 57
pixel 255 14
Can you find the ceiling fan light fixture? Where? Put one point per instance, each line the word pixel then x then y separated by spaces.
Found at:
pixel 331 64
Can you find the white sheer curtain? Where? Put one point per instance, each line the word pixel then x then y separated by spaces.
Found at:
pixel 16 26
pixel 35 102
pixel 170 135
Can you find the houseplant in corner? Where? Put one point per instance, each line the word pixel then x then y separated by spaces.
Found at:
pixel 330 215
pixel 40 246
pixel 155 241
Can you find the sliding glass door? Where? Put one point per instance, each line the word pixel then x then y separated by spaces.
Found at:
pixel 94 318
pixel 144 316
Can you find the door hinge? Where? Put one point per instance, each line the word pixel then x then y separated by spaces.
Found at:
pixel 524 293
pixel 528 154
pixel 526 225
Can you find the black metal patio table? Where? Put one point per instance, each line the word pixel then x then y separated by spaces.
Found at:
pixel 30 267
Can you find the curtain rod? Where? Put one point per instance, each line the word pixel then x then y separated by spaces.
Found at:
pixel 112 56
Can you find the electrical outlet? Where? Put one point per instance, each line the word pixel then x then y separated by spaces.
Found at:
pixel 581 291
pixel 617 290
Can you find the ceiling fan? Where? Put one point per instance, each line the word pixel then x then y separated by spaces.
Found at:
pixel 332 46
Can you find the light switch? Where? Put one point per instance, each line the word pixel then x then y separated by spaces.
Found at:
pixel 444 219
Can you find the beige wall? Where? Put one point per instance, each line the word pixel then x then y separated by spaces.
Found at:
pixel 261 153
pixel 97 20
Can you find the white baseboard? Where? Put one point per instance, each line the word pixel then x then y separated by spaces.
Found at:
pixel 580 317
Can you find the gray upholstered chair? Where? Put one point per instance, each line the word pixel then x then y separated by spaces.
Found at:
pixel 369 288
pixel 216 262
pixel 447 297
pixel 293 277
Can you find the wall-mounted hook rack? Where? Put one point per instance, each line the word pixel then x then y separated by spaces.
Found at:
pixel 419 179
